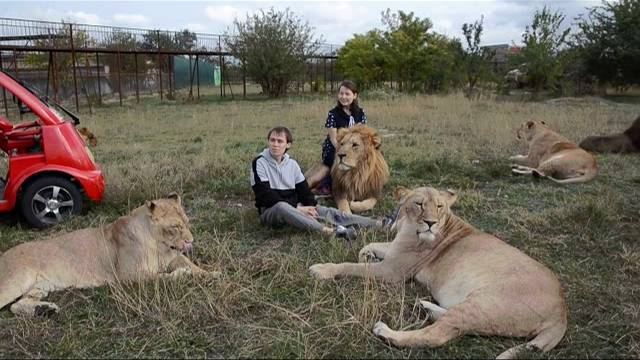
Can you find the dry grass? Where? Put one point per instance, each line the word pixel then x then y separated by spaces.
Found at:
pixel 266 305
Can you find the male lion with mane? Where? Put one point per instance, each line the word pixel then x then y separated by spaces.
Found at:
pixel 481 284
pixel 552 156
pixel 627 142
pixel 148 242
pixel 359 171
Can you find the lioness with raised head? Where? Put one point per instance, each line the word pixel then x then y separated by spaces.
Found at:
pixel 481 284
pixel 148 242
pixel 359 171
pixel 88 137
pixel 552 156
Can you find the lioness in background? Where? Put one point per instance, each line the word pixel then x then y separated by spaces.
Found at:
pixel 88 137
pixel 552 156
pixel 149 241
pixel 481 284
pixel 627 142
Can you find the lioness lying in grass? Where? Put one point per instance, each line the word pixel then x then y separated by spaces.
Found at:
pixel 148 242
pixel 481 284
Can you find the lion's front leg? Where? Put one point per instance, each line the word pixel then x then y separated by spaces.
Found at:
pixel 343 205
pixel 181 265
pixel 378 270
pixel 373 252
pixel 31 304
pixel 364 205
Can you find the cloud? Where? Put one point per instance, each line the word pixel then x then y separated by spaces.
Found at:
pixel 197 27
pixel 130 19
pixel 225 14
pixel 82 17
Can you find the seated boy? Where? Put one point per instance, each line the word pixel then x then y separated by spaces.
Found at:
pixel 283 195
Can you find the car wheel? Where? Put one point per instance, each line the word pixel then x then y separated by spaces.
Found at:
pixel 50 200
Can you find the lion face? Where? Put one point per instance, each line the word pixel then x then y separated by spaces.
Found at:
pixel 424 211
pixel 170 224
pixel 355 146
pixel 528 129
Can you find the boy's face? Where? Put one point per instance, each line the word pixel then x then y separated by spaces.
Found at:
pixel 278 144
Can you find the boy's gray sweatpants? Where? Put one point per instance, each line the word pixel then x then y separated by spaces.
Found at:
pixel 283 213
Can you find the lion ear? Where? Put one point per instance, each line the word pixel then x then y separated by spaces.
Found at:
pixel 449 196
pixel 150 205
pixel 400 192
pixel 530 124
pixel 376 141
pixel 174 196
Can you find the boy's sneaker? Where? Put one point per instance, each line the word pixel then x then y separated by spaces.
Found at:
pixel 348 233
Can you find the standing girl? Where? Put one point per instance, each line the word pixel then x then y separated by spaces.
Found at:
pixel 346 113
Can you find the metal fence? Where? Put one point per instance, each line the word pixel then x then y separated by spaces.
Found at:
pixel 85 64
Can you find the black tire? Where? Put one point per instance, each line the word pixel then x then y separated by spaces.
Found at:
pixel 48 200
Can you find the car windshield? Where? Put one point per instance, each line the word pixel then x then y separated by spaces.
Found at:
pixel 58 109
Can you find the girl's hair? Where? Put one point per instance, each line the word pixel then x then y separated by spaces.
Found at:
pixel 354 88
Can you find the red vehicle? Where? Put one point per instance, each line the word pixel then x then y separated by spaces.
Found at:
pixel 50 169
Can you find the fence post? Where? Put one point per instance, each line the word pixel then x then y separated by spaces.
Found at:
pixel 54 78
pixel 98 74
pixel 324 71
pixel 220 63
pixel 119 81
pixel 4 92
pixel 244 78
pixel 135 55
pixel 73 65
pixel 15 63
pixel 159 63
pixel 198 76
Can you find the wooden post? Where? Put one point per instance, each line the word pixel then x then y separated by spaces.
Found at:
pixel 4 92
pixel 15 63
pixel 198 76
pixel 159 63
pixel 244 79
pixel 119 82
pixel 86 88
pixel 136 76
pixel 324 73
pixel 98 74
pixel 54 77
pixel 224 93
pixel 46 92
pixel 73 65
pixel 220 63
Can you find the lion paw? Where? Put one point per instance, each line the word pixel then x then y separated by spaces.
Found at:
pixel 381 330
pixel 322 271
pixel 46 309
pixel 368 256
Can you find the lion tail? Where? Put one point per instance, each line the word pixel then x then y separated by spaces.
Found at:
pixel 584 176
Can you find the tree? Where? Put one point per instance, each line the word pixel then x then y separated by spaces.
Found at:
pixel 476 58
pixel 609 42
pixel 543 40
pixel 273 47
pixel 362 60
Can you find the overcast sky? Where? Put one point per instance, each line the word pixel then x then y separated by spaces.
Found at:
pixel 334 21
